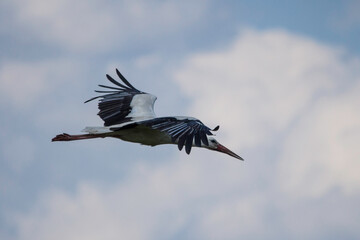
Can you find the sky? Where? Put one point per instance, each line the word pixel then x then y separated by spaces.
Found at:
pixel 281 79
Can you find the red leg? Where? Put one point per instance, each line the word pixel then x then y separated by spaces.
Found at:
pixel 68 137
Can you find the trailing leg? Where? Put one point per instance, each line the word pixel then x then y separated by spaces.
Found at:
pixel 68 137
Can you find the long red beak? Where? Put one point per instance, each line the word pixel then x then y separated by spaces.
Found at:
pixel 223 149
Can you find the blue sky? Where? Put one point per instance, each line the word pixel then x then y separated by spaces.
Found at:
pixel 281 79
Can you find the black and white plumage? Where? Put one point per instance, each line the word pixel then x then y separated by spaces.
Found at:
pixel 128 114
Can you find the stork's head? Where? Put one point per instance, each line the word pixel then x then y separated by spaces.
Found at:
pixel 216 146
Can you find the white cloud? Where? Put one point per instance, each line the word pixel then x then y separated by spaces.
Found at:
pixel 97 25
pixel 233 218
pixel 321 152
pixel 151 202
pixel 203 199
pixel 272 84
pixel 288 92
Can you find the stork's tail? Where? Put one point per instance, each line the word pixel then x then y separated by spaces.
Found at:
pixel 68 137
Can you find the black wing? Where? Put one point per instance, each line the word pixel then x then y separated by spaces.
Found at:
pixel 183 130
pixel 114 105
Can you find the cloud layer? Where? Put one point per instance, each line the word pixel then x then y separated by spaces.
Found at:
pixel 288 105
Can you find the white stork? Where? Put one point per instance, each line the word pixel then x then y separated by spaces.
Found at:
pixel 128 114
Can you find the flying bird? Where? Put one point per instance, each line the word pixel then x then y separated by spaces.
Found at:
pixel 128 114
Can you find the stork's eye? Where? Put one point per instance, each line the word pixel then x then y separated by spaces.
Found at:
pixel 213 141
